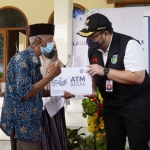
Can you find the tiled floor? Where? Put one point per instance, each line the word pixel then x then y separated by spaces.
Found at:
pixel 5 145
pixel 4 141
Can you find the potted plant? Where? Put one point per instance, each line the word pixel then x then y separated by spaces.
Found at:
pixel 78 141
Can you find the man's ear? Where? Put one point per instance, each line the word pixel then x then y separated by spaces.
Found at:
pixel 54 47
pixel 106 32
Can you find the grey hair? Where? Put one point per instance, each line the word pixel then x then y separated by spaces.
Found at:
pixel 32 40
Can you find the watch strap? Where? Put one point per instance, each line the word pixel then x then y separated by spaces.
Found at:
pixel 106 70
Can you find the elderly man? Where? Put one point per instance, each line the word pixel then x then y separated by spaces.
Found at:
pixel 22 105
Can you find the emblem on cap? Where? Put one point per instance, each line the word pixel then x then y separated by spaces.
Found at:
pixel 87 21
pixel 85 25
pixel 101 28
pixel 114 58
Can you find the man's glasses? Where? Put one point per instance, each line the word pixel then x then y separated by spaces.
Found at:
pixel 92 38
pixel 51 40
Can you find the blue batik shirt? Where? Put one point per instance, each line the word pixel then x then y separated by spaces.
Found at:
pixel 22 116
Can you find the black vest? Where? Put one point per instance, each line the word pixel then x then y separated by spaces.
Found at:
pixel 121 92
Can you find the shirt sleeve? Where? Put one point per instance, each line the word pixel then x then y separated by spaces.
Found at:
pixel 134 57
pixel 23 78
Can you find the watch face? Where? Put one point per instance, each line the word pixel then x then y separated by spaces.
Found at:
pixel 106 70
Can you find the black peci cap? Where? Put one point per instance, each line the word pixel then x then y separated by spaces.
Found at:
pixel 40 29
pixel 94 23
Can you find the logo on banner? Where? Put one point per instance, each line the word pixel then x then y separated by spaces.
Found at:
pixel 78 81
pixel 60 82
pixel 81 70
pixel 114 59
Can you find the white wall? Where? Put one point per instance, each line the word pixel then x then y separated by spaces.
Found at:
pixel 146 14
pixel 2 135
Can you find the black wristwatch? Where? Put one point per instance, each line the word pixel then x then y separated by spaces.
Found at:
pixel 106 70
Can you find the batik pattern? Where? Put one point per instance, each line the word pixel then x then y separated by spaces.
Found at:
pixel 22 73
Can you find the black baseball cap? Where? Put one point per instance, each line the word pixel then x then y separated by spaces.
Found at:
pixel 94 23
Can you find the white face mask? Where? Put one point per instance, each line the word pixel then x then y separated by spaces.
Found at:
pixel 48 48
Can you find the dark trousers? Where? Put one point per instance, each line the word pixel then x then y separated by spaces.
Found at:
pixel 23 145
pixel 133 123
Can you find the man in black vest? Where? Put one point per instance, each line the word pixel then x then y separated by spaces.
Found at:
pixel 118 60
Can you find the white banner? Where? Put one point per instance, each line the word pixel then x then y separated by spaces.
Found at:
pixel 73 80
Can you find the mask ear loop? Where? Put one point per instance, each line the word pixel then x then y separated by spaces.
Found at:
pixel 103 41
pixel 43 40
pixel 101 36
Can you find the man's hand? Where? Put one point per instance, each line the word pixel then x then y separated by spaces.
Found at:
pixel 68 95
pixel 91 95
pixel 54 69
pixel 95 69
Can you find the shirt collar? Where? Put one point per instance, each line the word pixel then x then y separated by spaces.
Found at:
pixel 35 60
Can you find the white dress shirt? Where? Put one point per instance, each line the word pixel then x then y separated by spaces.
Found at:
pixel 133 59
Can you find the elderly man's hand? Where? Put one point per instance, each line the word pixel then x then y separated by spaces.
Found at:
pixel 68 95
pixel 54 69
pixel 91 95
